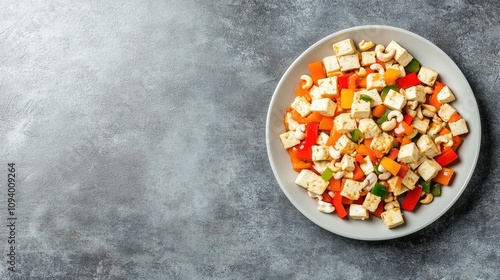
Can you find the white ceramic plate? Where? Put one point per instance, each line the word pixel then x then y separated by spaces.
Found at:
pixel 429 55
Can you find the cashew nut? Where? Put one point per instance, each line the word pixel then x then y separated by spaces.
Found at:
pixel 395 114
pixel 308 81
pixel 412 104
pixel 325 207
pixel 300 132
pixel 419 113
pixel 436 119
pixel 339 175
pixel 384 56
pixel 315 195
pixel 446 139
pixel 361 72
pixel 370 181
pixel 381 169
pixel 364 45
pixel 391 205
pixel 377 67
pixel 402 91
pixel 428 90
pixel 389 198
pixel 410 112
pixel 428 198
pixel 388 125
pixel 334 153
pixel 384 176
pixel 428 110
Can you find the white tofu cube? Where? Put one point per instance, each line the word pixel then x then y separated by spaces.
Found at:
pixel 360 109
pixel 392 218
pixel 302 106
pixel 322 139
pixel 369 128
pixel 400 68
pixel 395 100
pixel 329 87
pixel 288 139
pixel 393 182
pixel 434 129
pixel 427 76
pixel 382 143
pixel 347 163
pixel 371 202
pixel 410 180
pixel 459 127
pixel 367 165
pixel 322 165
pixel 402 56
pixel 416 93
pixel 415 165
pixel 324 106
pixel 344 145
pixel 399 191
pixel 422 125
pixel 428 169
pixel 344 47
pixel 445 95
pixel 372 93
pixel 352 189
pixel 316 92
pixel 408 153
pixel 344 123
pixel 331 65
pixel 290 123
pixel 446 111
pixel 357 212
pixel 375 81
pixel 320 153
pixel 311 181
pixel 349 62
pixel 427 147
pixel 368 58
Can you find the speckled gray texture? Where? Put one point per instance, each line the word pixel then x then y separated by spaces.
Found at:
pixel 138 133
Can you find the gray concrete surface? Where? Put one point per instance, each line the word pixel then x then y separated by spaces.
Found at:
pixel 138 133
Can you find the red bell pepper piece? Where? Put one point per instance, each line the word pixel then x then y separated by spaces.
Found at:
pixel 411 198
pixel 311 133
pixel 403 170
pixel 339 208
pixel 326 197
pixel 408 81
pixel 407 118
pixel 304 152
pixel 344 80
pixel 446 157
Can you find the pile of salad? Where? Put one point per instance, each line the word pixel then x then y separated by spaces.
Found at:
pixel 372 132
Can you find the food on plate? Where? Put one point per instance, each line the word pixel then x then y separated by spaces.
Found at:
pixel 372 132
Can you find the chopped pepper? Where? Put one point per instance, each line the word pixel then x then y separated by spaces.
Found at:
pixel 413 66
pixel 411 199
pixel 408 81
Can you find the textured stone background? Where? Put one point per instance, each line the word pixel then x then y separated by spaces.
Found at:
pixel 138 133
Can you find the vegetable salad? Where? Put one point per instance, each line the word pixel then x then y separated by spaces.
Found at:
pixel 372 132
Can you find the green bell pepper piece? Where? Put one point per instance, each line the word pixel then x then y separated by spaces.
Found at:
pixel 379 190
pixel 356 135
pixel 327 174
pixel 436 190
pixel 386 89
pixel 413 66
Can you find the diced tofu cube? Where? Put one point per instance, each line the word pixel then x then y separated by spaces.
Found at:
pixel 324 106
pixel 320 152
pixel 416 93
pixel 446 111
pixel 459 127
pixel 311 181
pixel 393 182
pixel 427 147
pixel 352 189
pixel 395 100
pixel 368 58
pixel 373 94
pixel 288 139
pixel 344 145
pixel 316 92
pixel 302 106
pixel 348 175
pixel 344 47
pixel 428 169
pixel 445 95
pixel 371 202
pixel 322 165
pixel 347 163
pixel 415 165
pixel 421 124
pixel 402 56
pixel 376 81
pixel 408 153
pixel 427 76
pixel 331 65
pixel 392 218
pixel 434 129
pixel 367 165
pixel 344 123
pixel 410 179
pixel 399 191
pixel 349 62
pixel 357 212
pixel 369 128
pixel 360 109
pixel 322 139
pixel 382 143
pixel 329 87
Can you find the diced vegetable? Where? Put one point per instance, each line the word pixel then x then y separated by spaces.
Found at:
pixel 411 199
pixel 413 66
pixel 436 189
pixel 317 71
pixel 379 190
pixel 408 81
